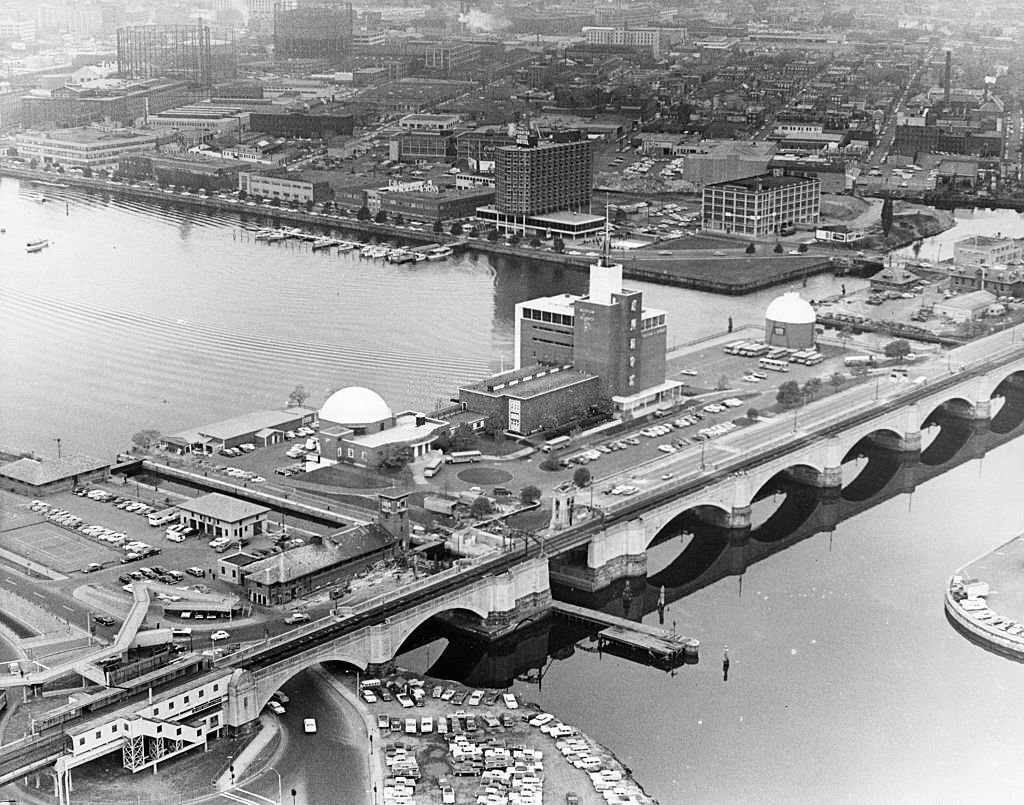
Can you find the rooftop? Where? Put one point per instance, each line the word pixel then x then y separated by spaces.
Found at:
pixel 223 508
pixel 39 472
pixel 765 181
pixel 344 546
pixel 526 383
pixel 245 423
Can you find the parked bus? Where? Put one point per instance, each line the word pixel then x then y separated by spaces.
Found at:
pixel 433 466
pixel 773 364
pixel 808 357
pixel 464 456
pixel 558 443
pixel 859 360
pixel 163 517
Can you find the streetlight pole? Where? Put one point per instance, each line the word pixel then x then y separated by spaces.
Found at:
pixel 58 441
pixel 280 790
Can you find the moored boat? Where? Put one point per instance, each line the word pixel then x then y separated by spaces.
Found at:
pixel 440 253
pixel 37 245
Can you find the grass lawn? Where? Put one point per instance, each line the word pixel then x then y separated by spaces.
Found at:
pixel 352 477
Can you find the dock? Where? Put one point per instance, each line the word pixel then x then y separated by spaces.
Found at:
pixel 659 644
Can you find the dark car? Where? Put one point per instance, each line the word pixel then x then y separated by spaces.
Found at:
pixel 104 620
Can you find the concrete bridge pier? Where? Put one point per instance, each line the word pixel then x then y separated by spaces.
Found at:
pixel 905 434
pixel 735 519
pixel 620 551
pixel 243 704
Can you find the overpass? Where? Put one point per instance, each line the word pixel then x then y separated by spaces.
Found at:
pixel 718 481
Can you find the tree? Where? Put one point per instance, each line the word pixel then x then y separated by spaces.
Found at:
pixel 549 423
pixel 275 202
pixel 145 439
pixel 363 214
pixel 788 395
pixel 514 238
pixel 751 248
pixel 463 438
pixel 298 396
pixel 581 477
pixel 619 217
pixel 898 349
pixel 723 383
pixel 836 379
pixel 812 387
pixel 886 216
pixel 802 248
pixel 380 217
pixel 438 227
pixel 529 494
pixel 558 245
pixel 399 220
pixel 495 424
pixel 604 406
pixel 753 413
pixel 492 236
pixel 456 229
pixel 328 207
pixel 778 248
pixel 474 232
pixel 87 173
pixel 534 242
pixel 395 457
pixel 481 507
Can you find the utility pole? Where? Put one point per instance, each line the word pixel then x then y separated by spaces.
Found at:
pixel 58 441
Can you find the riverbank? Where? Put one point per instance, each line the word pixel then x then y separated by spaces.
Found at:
pixel 684 268
pixel 985 600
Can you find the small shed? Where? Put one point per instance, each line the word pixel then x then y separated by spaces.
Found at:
pixel 966 307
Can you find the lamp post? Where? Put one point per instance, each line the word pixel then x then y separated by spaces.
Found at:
pixel 58 441
pixel 280 792
pixel 294 792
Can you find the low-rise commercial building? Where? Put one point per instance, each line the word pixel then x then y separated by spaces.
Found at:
pixel 219 515
pixel 283 577
pixel 284 186
pixel 41 477
pixel 261 428
pixel 92 148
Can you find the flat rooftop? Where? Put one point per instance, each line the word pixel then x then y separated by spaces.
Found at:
pixel 38 473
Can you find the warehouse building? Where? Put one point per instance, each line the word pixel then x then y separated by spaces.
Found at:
pixel 219 515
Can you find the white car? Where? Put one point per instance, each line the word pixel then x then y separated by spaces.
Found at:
pixel 309 725
pixel 276 707
pixel 666 448
pixel 220 634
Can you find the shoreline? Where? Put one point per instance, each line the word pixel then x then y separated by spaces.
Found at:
pixel 693 269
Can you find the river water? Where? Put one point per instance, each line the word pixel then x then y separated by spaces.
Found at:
pixel 846 683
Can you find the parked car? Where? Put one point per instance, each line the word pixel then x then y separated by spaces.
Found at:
pixel 220 634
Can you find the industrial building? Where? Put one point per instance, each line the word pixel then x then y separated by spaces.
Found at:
pixel 92 148
pixel 760 206
pixel 283 186
pixel 319 32
pixel 110 101
pixel 192 53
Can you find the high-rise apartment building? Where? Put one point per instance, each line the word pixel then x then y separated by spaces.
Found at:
pixel 533 178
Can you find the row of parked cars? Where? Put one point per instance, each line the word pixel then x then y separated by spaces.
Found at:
pixel 134 549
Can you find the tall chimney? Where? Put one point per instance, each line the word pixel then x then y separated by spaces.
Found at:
pixel 945 90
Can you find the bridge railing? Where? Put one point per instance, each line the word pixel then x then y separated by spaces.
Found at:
pixel 860 403
pixel 439 604
pixel 339 614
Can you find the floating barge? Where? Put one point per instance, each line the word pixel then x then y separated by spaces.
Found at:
pixel 661 645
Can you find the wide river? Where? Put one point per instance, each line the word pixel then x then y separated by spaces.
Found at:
pixel 846 684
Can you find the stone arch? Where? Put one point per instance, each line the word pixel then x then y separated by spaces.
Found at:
pixel 273 681
pixel 954 402
pixel 1011 413
pixel 664 519
pixel 414 622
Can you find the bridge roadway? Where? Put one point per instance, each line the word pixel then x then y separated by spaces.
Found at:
pixel 697 466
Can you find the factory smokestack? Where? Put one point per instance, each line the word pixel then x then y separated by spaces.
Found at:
pixel 946 83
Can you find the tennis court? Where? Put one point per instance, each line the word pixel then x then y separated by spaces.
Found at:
pixel 55 547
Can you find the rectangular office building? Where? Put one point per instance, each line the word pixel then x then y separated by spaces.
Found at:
pixel 760 206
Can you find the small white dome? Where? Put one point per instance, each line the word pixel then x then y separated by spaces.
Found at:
pixel 790 309
pixel 355 405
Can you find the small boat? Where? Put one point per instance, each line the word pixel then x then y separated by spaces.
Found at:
pixel 345 246
pixel 263 234
pixel 440 253
pixel 37 245
pixel 41 198
pixel 400 256
pixel 418 257
pixel 324 243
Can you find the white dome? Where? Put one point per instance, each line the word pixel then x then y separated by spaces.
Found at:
pixel 790 309
pixel 355 405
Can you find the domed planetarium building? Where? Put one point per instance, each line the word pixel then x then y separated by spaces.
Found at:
pixel 789 322
pixel 358 427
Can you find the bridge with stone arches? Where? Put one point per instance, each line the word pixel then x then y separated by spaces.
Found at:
pixel 491 605
pixel 809 450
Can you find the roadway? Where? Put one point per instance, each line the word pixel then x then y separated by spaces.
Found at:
pixel 698 464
